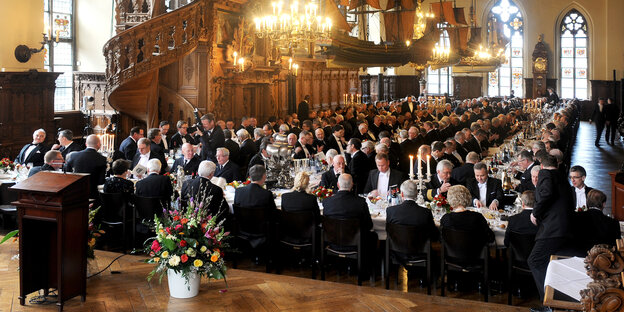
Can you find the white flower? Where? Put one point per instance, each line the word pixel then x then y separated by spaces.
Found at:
pixel 171 237
pixel 191 252
pixel 203 249
pixel 174 260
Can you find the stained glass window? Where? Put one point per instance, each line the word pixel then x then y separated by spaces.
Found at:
pixel 440 81
pixel 59 55
pixel 574 56
pixel 509 76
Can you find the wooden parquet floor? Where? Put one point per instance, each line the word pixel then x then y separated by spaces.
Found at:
pixel 247 291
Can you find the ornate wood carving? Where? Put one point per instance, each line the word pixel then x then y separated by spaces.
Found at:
pixel 540 68
pixel 604 265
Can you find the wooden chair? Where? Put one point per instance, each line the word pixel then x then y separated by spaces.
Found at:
pixel 8 211
pixel 117 212
pixel 520 246
pixel 146 208
pixel 253 225
pixel 297 231
pixel 462 251
pixel 341 238
pixel 410 247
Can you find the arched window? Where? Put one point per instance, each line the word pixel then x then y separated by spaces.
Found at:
pixel 509 75
pixel 440 81
pixel 574 56
pixel 59 56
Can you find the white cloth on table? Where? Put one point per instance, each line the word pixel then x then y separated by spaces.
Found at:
pixel 567 276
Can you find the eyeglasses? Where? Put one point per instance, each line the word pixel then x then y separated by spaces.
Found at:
pixel 575 177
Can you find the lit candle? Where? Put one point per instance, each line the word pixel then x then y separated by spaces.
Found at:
pixel 235 56
pixel 296 66
pixel 428 165
pixel 419 166
pixel 241 61
pixel 411 157
pixel 290 63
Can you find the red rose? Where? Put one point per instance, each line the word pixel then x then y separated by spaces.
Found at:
pixel 155 246
pixel 439 204
pixel 176 218
pixel 182 243
pixel 184 258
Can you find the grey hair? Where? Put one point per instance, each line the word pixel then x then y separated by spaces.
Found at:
pixel 153 165
pixel 535 169
pixel 403 134
pixel 258 132
pixel 345 182
pixel 242 134
pixel 206 168
pixel 224 151
pixel 284 127
pixel 331 153
pixel 444 164
pixel 409 189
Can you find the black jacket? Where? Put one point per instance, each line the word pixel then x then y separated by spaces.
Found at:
pixel 128 147
pixel 470 221
pixel 592 227
pixel 344 204
pixel 396 178
pixel 433 185
pixel 254 196
pixel 202 190
pixel 190 168
pixel 409 213
pixel 159 156
pixel 74 147
pixel 234 150
pixel 154 185
pixel 35 157
pixel 599 117
pixel 494 190
pixel 176 140
pixel 300 201
pixel 36 170
pixel 303 111
pixel 587 189
pixel 526 184
pixel 330 180
pixel 521 224
pixel 332 143
pixel 359 168
pixel 230 172
pixel 553 206
pixel 210 143
pixel 89 161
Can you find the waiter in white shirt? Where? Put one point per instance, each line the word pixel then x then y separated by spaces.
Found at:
pixel 577 177
pixel 164 129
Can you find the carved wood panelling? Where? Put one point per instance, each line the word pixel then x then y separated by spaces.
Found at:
pixel 466 87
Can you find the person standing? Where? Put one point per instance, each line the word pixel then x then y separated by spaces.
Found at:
pixel 303 109
pixel 599 116
pixel 129 145
pixel 211 136
pixel 612 114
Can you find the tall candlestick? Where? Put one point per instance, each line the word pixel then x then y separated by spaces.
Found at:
pixel 419 165
pixel 411 157
pixel 428 165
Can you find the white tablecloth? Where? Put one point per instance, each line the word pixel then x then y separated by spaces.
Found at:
pixel 567 276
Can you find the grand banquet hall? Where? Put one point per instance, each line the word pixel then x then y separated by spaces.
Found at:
pixel 315 155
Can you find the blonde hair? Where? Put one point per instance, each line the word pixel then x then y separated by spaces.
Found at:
pixel 302 179
pixel 459 196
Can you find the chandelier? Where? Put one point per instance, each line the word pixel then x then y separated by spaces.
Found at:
pixel 295 29
pixel 484 56
pixel 421 21
pixel 441 55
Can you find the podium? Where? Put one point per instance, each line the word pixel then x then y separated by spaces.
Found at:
pixel 53 211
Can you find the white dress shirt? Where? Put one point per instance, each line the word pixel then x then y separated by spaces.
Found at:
pixel 482 193
pixel 29 150
pixel 164 140
pixel 581 200
pixel 341 149
pixel 382 183
pixel 144 159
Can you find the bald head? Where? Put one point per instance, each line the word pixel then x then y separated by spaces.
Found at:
pixel 93 141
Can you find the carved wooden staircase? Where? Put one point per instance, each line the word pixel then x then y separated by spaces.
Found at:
pixel 135 55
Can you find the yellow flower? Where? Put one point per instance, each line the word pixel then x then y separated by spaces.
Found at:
pixel 165 254
pixel 92 242
pixel 197 263
pixel 156 259
pixel 203 249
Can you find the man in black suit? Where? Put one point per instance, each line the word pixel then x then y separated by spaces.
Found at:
pixel 233 147
pixel 225 168
pixel 303 109
pixel 552 96
pixel 460 141
pixel 202 190
pixel 579 189
pixel 189 161
pixel 363 134
pixel 599 116
pixel 431 133
pixel 144 154
pixel 592 227
pixel 329 179
pixel 247 146
pixel 67 145
pixel 441 181
pixel 485 191
pixel 477 143
pixel 91 162
pixel 165 141
pixel 611 122
pixel 303 147
pixel 450 154
pixel 261 156
pixel 381 179
pixel 254 195
pixel 53 162
pixel 521 223
pixel 155 138
pixel 526 163
pixel 336 140
pixel 408 106
pixel 552 213
pixel 211 136
pixel 319 141
pixel 359 165
pixel 129 145
pixel 33 152
pixel 182 136
pixel 410 213
pixel 154 184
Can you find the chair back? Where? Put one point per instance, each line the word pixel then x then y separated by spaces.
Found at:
pixel 252 220
pixel 520 245
pixel 114 206
pixel 147 207
pixel 297 225
pixel 6 194
pixel 341 232
pixel 463 245
pixel 407 239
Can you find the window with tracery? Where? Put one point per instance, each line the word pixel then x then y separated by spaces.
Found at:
pixel 509 76
pixel 59 56
pixel 574 54
pixel 440 81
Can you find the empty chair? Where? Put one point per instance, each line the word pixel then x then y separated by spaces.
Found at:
pixel 341 238
pixel 297 231
pixel 8 211
pixel 254 226
pixel 520 246
pixel 409 246
pixel 116 212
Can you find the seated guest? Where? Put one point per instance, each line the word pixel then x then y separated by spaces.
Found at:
pixel 299 199
pixel 182 136
pixel 303 147
pixel 521 223
pixel 53 162
pixel 525 162
pixel 33 152
pixel 465 220
pixel 261 156
pixel 336 140
pixel 155 138
pixel 165 141
pixel 154 184
pixel 119 182
pixel 129 145
pixel 329 157
pixel 254 195
pixel 233 147
pixel 258 136
pixel 363 133
pixel 592 226
pixel 189 161
pixel 204 191
pixel 534 176
pixel 410 213
pixel 466 171
pixel 226 168
pixel 441 181
pixel 359 165
pixel 329 179
pixel 451 154
pixel 577 177
pixel 67 145
pixel 144 154
pixel 381 179
pixel 485 191
pixel 368 148
pixel 91 162
pixel 247 147
pixel 319 141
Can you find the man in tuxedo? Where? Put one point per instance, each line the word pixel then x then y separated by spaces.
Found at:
pixel 247 147
pixel 319 141
pixel 521 223
pixel 336 140
pixel 154 184
pixel 303 109
pixel 381 179
pixel 33 152
pixel 329 179
pixel 485 191
pixel 359 165
pixel 155 138
pixel 233 147
pixel 189 161
pixel 182 136
pixel 460 141
pixel 599 116
pixel 254 195
pixel 211 136
pixel 261 156
pixel 577 177
pixel 91 162
pixel 144 154
pixel 552 96
pixel 202 190
pixel 478 143
pixel 363 134
pixel 526 163
pixel 431 133
pixel 165 141
pixel 129 145
pixel 551 214
pixel 408 106
pixel 225 168
pixel 441 181
pixel 303 149
pixel 53 162
pixel 67 145
pixel 450 154
pixel 611 122
pixel 410 213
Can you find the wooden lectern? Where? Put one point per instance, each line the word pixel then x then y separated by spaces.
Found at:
pixel 53 212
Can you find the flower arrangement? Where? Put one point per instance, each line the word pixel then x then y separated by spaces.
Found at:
pixel 439 201
pixel 322 193
pixel 237 184
pixel 94 233
pixel 173 178
pixel 188 240
pixel 6 164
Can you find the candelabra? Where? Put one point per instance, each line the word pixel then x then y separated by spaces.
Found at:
pixel 420 177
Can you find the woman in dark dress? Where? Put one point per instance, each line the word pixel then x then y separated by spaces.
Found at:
pixel 298 199
pixel 465 220
pixel 119 182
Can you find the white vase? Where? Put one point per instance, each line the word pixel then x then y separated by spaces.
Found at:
pixel 181 287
